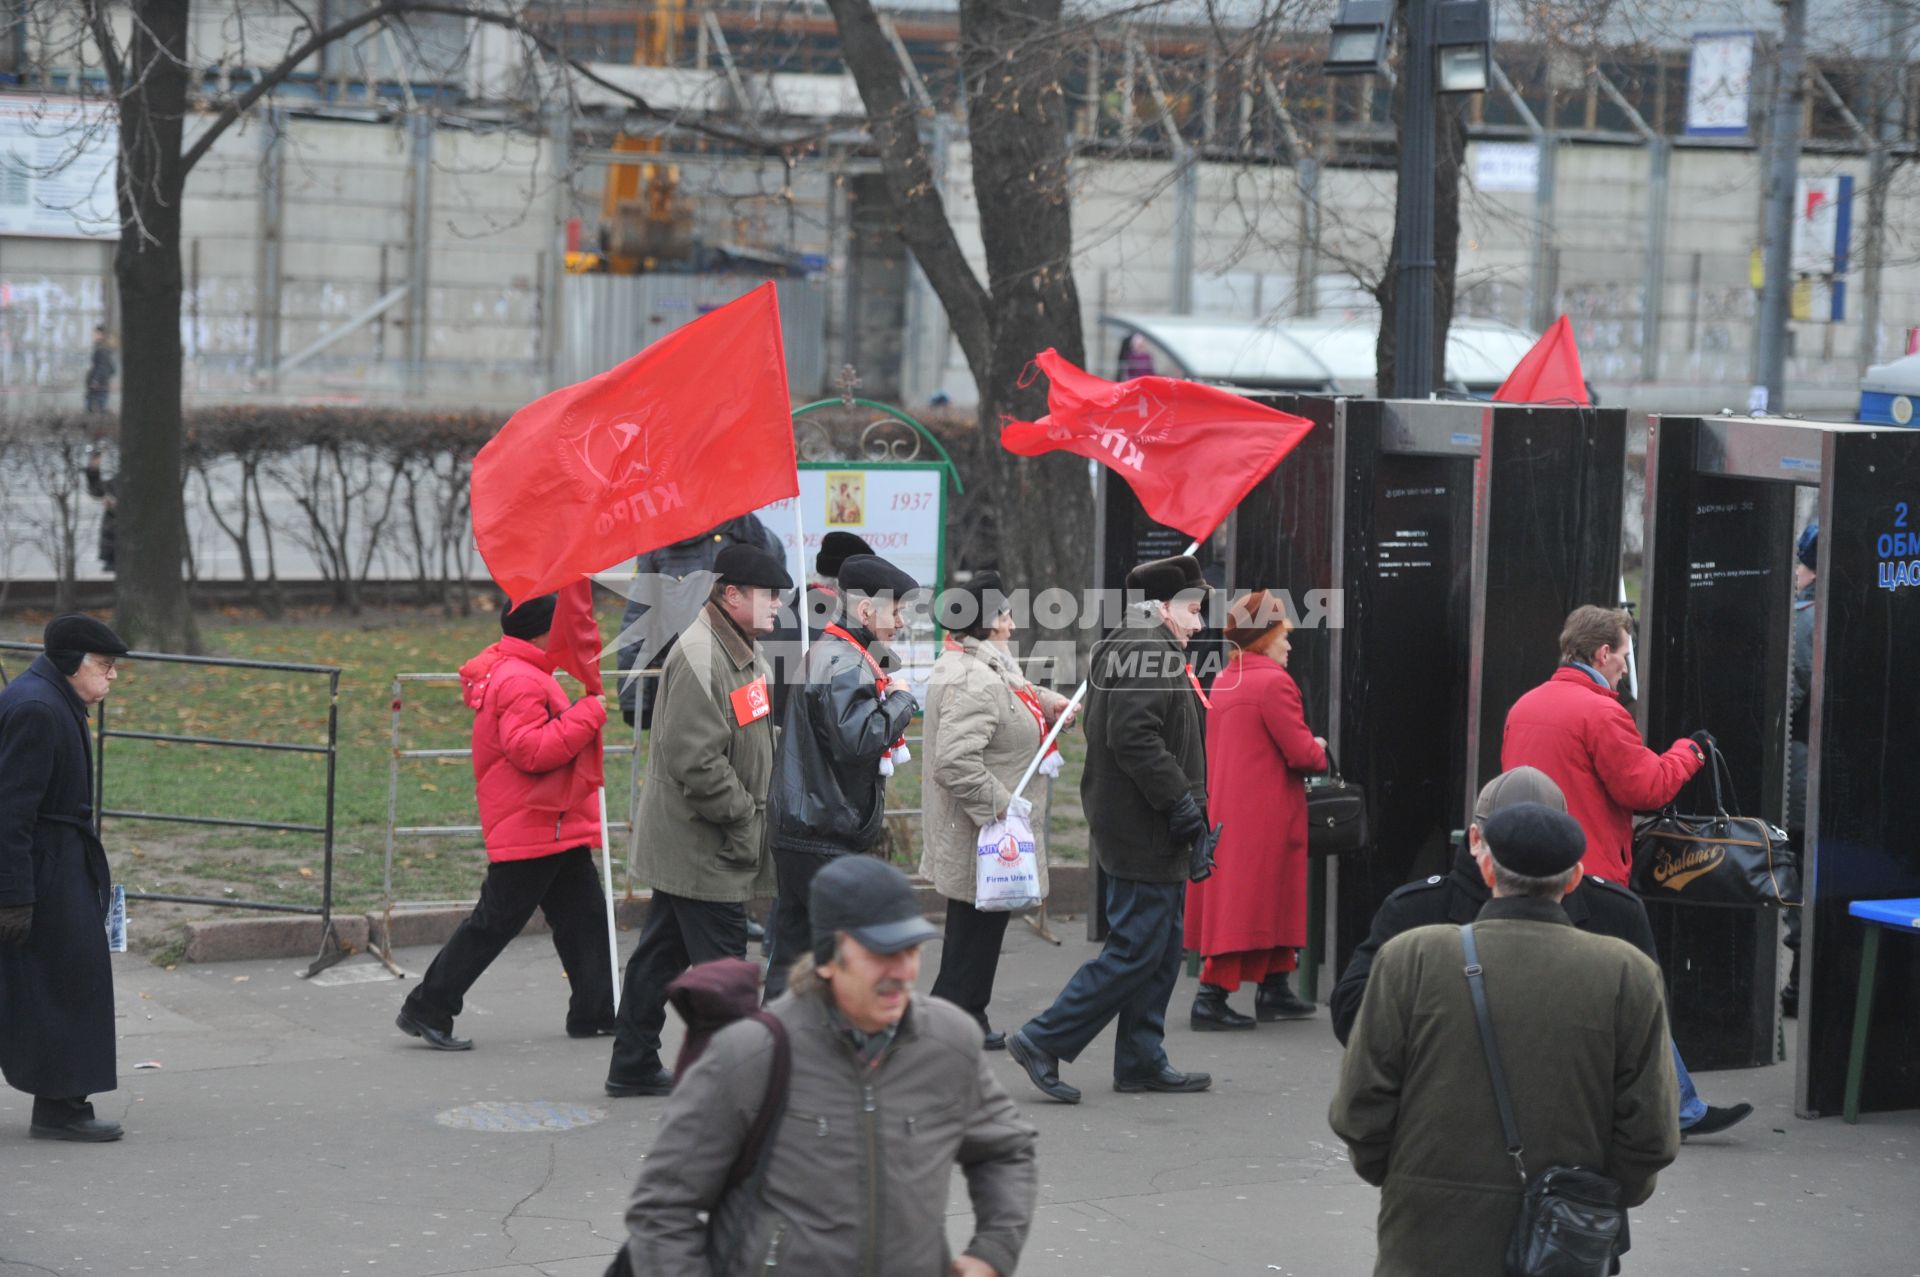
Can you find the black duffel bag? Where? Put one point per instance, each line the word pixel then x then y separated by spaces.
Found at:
pixel 1336 814
pixel 1722 859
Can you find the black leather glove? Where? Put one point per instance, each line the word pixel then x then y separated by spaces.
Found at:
pixel 16 923
pixel 1187 819
pixel 1200 857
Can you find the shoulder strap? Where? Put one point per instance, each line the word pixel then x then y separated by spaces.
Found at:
pixel 750 1167
pixel 1477 985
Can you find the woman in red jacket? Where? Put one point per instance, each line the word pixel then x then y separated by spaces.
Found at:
pixel 1250 918
pixel 540 817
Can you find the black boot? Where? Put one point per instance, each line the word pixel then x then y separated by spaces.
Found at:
pixel 1210 1011
pixel 1790 995
pixel 1276 1001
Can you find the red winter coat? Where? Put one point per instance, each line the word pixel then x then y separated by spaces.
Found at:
pixel 1582 737
pixel 531 761
pixel 1259 754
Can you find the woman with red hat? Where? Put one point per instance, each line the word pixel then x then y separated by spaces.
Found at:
pixel 1250 918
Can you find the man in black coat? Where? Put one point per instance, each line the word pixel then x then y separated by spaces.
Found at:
pixel 1144 788
pixel 56 979
pixel 816 605
pixel 841 730
pixel 1597 905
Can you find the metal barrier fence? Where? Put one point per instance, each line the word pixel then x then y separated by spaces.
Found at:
pixel 331 950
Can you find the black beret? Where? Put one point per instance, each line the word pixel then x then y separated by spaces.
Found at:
pixel 1162 579
pixel 71 636
pixel 871 574
pixel 530 620
pixel 1534 840
pixel 835 549
pixel 747 565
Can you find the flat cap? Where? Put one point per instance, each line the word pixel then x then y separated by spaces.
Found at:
pixel 78 632
pixel 748 565
pixel 1534 840
pixel 1517 785
pixel 870 574
pixel 835 549
pixel 1162 579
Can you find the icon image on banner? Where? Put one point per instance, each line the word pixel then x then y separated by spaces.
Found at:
pixel 846 498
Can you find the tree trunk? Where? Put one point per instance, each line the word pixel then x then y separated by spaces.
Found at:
pixel 1449 152
pixel 1017 125
pixel 151 606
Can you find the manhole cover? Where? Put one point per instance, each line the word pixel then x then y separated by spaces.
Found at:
pixel 515 1115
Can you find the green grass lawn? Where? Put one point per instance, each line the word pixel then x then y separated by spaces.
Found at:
pixel 200 780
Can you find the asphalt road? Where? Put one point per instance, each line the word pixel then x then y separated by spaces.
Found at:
pixel 290 1129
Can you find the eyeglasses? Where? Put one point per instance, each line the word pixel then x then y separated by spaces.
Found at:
pixel 104 664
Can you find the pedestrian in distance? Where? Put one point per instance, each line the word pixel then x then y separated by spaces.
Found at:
pixel 842 730
pixel 101 370
pixel 56 977
pixel 1580 1025
pixel 1574 728
pixel 701 827
pixel 1143 789
pixel 540 818
pixel 1249 919
pixel 984 724
pixel 886 1092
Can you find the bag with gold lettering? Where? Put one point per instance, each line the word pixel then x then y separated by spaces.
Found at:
pixel 1722 859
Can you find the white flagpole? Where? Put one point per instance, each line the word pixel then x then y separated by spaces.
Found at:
pixel 800 595
pixel 606 883
pixel 1060 722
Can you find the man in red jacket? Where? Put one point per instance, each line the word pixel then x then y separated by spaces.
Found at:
pixel 532 755
pixel 1574 728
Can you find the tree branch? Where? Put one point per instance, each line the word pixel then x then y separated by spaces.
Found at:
pixel 894 127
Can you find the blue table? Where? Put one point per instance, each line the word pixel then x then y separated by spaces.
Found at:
pixel 1878 915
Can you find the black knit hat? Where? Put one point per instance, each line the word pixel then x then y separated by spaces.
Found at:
pixel 1161 579
pixel 835 549
pixel 530 620
pixel 70 637
pixel 1534 840
pixel 973 606
pixel 747 565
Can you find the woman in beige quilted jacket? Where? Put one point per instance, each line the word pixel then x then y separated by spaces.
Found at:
pixel 984 721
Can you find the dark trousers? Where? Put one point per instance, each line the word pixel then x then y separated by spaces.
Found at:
pixel 1131 980
pixel 969 958
pixel 678 934
pixel 567 890
pixel 790 930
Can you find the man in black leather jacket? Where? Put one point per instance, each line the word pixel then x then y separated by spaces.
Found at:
pixel 829 792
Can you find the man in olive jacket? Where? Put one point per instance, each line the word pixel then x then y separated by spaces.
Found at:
pixel 1581 1026
pixel 1143 789
pixel 703 811
pixel 887 1091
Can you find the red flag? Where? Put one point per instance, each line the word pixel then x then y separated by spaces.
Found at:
pixel 574 644
pixel 1549 373
pixel 1190 452
pixel 694 430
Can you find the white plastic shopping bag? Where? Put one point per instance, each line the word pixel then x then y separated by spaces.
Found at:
pixel 1006 866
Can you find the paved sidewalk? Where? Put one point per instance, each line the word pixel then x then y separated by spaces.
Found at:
pixel 291 1130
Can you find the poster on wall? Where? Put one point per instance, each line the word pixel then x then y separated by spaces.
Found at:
pixel 58 159
pixel 1720 84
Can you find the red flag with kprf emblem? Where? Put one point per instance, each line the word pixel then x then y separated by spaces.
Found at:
pixel 1190 452
pixel 1549 373
pixel 694 430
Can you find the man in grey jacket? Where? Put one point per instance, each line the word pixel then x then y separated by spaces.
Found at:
pixel 888 1090
pixel 703 813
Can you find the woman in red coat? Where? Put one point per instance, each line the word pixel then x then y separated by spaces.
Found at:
pixel 1249 919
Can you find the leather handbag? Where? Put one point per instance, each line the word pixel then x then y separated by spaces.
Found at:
pixel 1570 1222
pixel 1336 814
pixel 1721 859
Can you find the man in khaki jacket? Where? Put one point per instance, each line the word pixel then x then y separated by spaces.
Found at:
pixel 887 1091
pixel 1581 1025
pixel 703 811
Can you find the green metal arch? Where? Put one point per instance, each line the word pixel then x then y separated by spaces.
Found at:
pixel 946 460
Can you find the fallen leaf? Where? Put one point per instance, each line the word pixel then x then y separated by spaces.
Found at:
pixel 241 979
pixel 305 872
pixel 429 787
